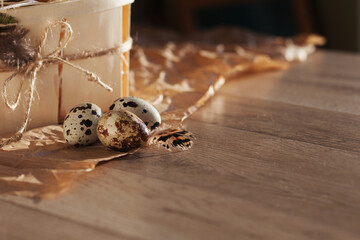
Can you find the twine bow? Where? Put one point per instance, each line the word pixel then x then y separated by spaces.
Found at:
pixel 31 70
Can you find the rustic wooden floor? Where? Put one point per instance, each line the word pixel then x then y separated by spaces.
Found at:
pixel 277 156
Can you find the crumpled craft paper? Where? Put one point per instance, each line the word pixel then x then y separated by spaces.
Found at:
pixel 177 77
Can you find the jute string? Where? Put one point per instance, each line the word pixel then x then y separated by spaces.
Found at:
pixel 31 70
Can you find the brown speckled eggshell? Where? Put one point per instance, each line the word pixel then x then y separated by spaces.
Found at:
pixel 122 130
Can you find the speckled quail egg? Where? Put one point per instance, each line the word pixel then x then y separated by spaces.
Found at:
pixel 80 124
pixel 122 130
pixel 141 108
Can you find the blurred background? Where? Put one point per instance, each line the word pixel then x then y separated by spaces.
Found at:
pixel 338 21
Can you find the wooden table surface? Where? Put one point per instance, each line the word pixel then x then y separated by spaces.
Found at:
pixel 277 156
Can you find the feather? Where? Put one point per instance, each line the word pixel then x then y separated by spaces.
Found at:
pixel 172 139
pixel 7 23
pixel 15 49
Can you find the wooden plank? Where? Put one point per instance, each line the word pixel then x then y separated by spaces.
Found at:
pixel 324 82
pixel 321 127
pixel 275 175
pixel 271 161
pixel 19 222
pixel 151 209
pixel 278 173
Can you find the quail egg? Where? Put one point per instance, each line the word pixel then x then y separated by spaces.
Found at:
pixel 141 108
pixel 80 124
pixel 122 130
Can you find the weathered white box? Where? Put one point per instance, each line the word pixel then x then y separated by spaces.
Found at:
pixel 97 25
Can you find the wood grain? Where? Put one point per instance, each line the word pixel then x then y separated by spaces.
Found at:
pixel 276 157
